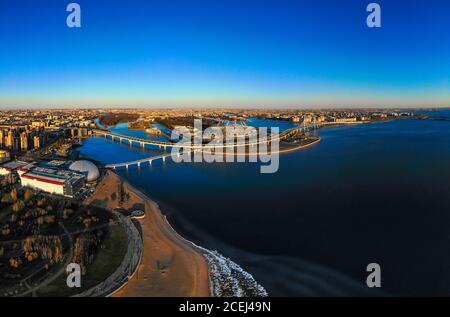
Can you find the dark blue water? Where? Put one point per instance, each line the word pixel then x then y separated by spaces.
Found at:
pixel 366 193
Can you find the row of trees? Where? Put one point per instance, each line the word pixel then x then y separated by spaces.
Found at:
pixel 46 247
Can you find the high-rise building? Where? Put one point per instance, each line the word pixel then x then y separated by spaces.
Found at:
pixel 22 138
pixel 16 142
pixel 1 139
pixel 9 139
pixel 24 141
pixel 37 142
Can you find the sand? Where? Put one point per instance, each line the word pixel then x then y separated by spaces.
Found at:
pixel 170 265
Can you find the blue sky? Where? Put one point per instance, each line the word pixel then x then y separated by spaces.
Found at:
pixel 246 53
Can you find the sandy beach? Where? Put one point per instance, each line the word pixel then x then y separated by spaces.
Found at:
pixel 170 265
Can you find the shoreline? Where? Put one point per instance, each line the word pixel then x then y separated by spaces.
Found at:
pixel 197 272
pixel 283 151
pixel 303 146
pixel 168 265
pixel 222 276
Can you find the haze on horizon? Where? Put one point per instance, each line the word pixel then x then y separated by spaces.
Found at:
pixel 226 53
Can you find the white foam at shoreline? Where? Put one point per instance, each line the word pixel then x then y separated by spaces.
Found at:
pixel 226 278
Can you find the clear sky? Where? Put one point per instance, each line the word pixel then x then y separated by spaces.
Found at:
pixel 242 53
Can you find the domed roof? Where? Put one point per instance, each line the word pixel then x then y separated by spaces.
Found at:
pixel 86 167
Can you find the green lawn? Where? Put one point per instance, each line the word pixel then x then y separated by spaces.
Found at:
pixel 108 258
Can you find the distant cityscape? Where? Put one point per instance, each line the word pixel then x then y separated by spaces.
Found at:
pixel 29 136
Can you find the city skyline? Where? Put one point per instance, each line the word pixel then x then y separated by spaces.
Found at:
pixel 224 55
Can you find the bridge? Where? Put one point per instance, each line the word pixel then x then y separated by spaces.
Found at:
pixel 189 146
pixel 138 163
pixel 164 145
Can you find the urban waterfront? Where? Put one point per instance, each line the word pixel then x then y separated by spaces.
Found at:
pixel 224 153
pixel 366 193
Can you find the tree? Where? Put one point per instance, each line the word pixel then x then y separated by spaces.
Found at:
pixel 14 194
pixel 66 213
pixel 49 219
pixel 18 206
pixel 6 199
pixel 28 196
pixel 41 201
pixel 14 263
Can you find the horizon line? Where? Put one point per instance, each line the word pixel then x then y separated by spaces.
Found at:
pixel 440 107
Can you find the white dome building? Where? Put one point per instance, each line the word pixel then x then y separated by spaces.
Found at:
pixel 87 168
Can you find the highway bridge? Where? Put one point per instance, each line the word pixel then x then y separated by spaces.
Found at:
pixel 191 147
pixel 164 145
